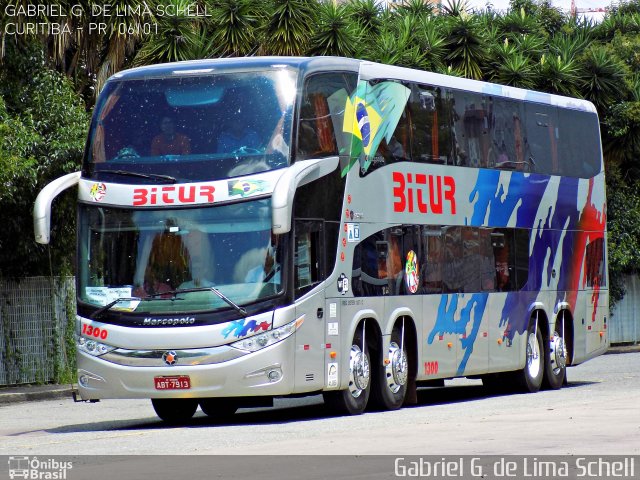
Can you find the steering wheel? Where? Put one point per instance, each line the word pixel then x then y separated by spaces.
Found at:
pixel 127 152
pixel 246 150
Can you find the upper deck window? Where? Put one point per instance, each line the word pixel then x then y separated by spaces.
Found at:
pixel 192 128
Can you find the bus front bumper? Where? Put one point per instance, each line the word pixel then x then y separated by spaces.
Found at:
pixel 266 372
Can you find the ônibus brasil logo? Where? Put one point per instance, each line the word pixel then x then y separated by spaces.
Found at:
pixel 34 468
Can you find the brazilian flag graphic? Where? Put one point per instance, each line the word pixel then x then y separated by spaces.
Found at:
pixel 372 114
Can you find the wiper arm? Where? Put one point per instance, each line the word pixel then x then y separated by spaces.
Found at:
pixel 109 305
pixel 217 292
pixel 152 176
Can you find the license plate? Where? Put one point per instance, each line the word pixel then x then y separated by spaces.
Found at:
pixel 178 382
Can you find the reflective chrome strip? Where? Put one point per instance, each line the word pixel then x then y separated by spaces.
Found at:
pixel 153 358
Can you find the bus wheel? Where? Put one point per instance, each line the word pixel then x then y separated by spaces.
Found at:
pixel 219 408
pixel 175 410
pixel 555 365
pixel 391 386
pixel 353 400
pixel 530 377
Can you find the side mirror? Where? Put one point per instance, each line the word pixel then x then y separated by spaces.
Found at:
pixel 42 207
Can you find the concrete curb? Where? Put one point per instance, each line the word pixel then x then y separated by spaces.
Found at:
pixel 32 393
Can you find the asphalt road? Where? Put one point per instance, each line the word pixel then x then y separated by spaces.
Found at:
pixel 597 413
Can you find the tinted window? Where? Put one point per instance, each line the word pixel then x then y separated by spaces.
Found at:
pixel 320 127
pixel 449 260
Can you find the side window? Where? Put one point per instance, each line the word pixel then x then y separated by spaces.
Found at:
pixel 511 253
pixel 431 110
pixel 522 257
pixel 433 258
pixel 308 266
pixel 453 271
pixel 504 255
pixel 321 114
pixel 594 269
pixel 366 257
pixel 508 141
pixel 578 146
pixel 542 137
pixel 473 120
pixel 398 148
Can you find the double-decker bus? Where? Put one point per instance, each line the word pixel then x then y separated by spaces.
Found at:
pixel 261 227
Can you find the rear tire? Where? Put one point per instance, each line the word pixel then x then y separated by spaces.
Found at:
pixel 530 377
pixel 390 384
pixel 353 400
pixel 218 408
pixel 555 365
pixel 175 410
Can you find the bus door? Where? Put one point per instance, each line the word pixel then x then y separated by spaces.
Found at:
pixel 308 272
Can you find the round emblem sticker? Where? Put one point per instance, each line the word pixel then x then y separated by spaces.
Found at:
pixel 412 275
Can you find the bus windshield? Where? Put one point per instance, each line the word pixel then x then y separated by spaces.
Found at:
pixel 192 128
pixel 146 254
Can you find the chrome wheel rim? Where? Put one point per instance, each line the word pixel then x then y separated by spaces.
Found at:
pixel 558 353
pixel 533 356
pixel 359 371
pixel 397 370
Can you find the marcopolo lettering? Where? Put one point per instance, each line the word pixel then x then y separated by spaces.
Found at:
pixel 424 193
pixel 160 322
pixel 182 194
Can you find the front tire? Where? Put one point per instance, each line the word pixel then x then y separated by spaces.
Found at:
pixel 390 386
pixel 175 410
pixel 353 400
pixel 530 377
pixel 218 408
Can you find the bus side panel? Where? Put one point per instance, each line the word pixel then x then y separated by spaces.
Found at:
pixel 439 359
pixel 504 352
pixel 597 308
pixel 309 354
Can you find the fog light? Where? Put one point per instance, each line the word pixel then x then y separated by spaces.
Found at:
pixel 274 375
pixel 83 380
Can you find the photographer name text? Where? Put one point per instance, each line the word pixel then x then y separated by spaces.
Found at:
pixel 55 19
pixel 524 467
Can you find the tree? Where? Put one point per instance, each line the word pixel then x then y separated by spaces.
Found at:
pixel 336 33
pixel 288 32
pixel 236 27
pixel 43 127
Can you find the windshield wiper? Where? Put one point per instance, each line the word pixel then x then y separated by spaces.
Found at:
pixel 218 293
pixel 109 305
pixel 152 176
pixel 173 294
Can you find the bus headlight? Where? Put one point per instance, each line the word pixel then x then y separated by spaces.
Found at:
pixel 263 340
pixel 92 347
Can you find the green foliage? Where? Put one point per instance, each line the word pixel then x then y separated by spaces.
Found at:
pixel 336 33
pixel 623 223
pixel 236 27
pixel 367 15
pixel 558 75
pixel 288 32
pixel 602 76
pixel 466 44
pixel 515 70
pixel 177 39
pixel 43 127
